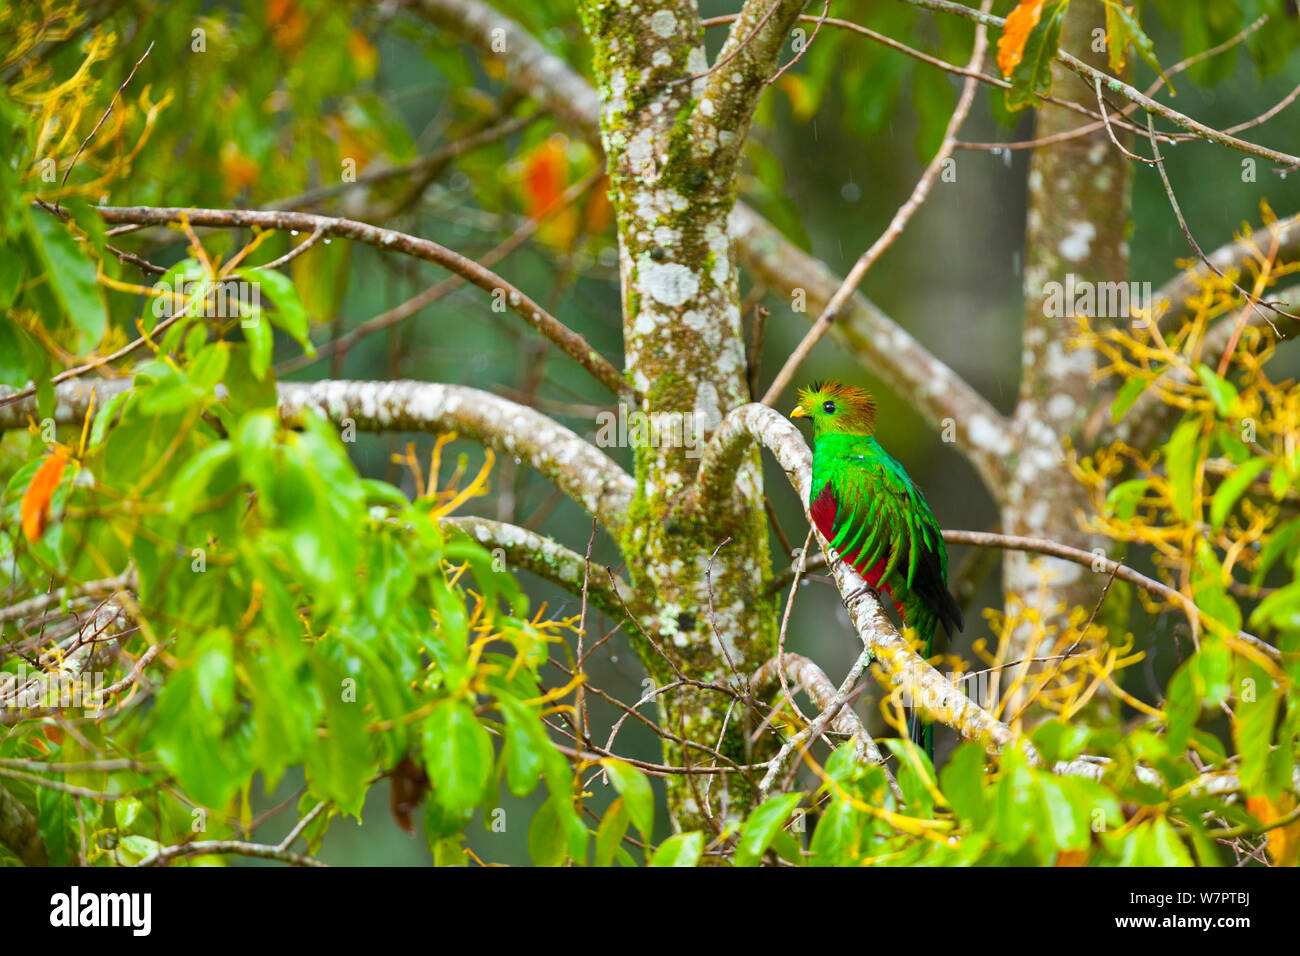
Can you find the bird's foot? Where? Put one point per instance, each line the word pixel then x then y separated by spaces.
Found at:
pixel 858 593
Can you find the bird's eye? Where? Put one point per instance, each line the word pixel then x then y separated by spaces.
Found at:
pixel 828 408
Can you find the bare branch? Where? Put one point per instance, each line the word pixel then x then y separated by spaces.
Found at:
pixel 895 229
pixel 579 469
pixel 882 345
pixel 229 847
pixel 1228 258
pixel 547 559
pixel 812 680
pixel 938 696
pixel 1114 85
pixel 569 342
pixel 983 434
pixel 747 60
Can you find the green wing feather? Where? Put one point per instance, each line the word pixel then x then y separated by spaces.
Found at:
pixel 881 512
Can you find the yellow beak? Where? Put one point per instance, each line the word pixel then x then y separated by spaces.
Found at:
pixel 798 412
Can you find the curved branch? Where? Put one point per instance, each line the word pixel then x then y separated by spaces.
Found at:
pixel 1091 74
pixel 933 692
pixel 939 394
pixel 849 286
pixel 812 680
pixel 883 346
pixel 582 471
pixel 568 341
pixel 548 559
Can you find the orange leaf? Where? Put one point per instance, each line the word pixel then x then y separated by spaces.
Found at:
pixel 1283 842
pixel 363 53
pixel 545 171
pixel 35 506
pixel 1020 23
pixel 288 24
pixel 1072 858
pixel 545 177
pixel 238 171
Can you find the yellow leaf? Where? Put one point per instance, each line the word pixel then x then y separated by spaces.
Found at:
pixel 363 53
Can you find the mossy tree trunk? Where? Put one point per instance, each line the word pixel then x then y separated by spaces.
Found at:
pixel 672 131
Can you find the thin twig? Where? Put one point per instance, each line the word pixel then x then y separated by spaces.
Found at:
pixel 894 230
pixel 111 103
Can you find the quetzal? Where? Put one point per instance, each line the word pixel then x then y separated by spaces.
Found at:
pixel 875 517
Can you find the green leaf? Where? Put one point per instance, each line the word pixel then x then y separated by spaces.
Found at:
pixel 1182 707
pixel 1059 740
pixel 556 834
pixel 1121 28
pixel 1163 846
pixel 192 478
pixel 1232 488
pixel 525 746
pixel 57 816
pixel 134 848
pixel 635 788
pixel 1209 590
pixel 1181 459
pixel 440 822
pixel 1252 728
pixel 125 812
pixel 760 828
pixel 290 314
pixel 1123 499
pixel 71 274
pixel 914 773
pixel 458 755
pixel 1222 392
pixel 1278 483
pixel 1016 796
pixel 339 764
pixel 104 417
pixel 1118 37
pixel 261 343
pixel 680 849
pixel 1277 545
pixel 611 831
pixel 1032 76
pixel 1129 393
pixel 1068 822
pixel 16 350
pixel 839 833
pixel 963 781
pixel 189 723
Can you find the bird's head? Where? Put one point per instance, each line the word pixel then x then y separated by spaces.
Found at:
pixel 836 408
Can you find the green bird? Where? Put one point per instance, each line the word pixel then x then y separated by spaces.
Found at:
pixel 875 517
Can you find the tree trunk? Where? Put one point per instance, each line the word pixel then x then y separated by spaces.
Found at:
pixel 671 159
pixel 1079 224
